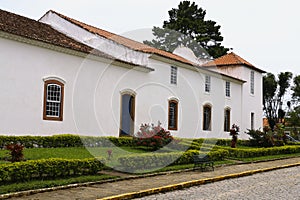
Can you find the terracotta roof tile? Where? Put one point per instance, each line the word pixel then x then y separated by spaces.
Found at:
pixel 138 46
pixel 230 59
pixel 31 29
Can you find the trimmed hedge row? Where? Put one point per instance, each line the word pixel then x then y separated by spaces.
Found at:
pixel 66 140
pixel 202 144
pixel 157 160
pixel 48 168
pixel 257 152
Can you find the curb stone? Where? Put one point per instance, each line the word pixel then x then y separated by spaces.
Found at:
pixel 129 177
pixel 183 185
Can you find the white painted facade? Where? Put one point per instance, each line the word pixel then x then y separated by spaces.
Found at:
pixel 93 87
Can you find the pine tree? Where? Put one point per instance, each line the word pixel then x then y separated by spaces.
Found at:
pixel 187 26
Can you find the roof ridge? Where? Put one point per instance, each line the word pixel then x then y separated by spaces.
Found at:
pixel 72 20
pixel 242 60
pixel 122 40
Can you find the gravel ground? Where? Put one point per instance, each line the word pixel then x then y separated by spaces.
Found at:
pixel 278 184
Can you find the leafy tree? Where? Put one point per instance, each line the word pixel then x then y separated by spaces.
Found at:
pixel 273 94
pixel 293 119
pixel 187 26
pixel 296 89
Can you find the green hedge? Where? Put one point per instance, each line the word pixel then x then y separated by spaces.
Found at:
pixel 157 160
pixel 48 168
pixel 66 140
pixel 257 152
pixel 202 144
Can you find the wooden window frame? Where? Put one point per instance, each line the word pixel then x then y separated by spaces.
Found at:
pixel 176 115
pixel 252 119
pixel 227 121
pixel 210 118
pixel 52 118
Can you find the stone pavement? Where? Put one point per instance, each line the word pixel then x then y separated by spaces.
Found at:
pixel 281 184
pixel 138 187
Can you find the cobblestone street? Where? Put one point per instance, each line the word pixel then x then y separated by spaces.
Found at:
pixel 98 191
pixel 278 184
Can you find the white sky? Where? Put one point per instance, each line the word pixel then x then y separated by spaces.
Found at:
pixel 265 33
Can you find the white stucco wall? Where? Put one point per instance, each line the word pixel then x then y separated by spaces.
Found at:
pixel 251 103
pixel 93 93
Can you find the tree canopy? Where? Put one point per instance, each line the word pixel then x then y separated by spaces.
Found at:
pixel 274 90
pixel 296 89
pixel 187 26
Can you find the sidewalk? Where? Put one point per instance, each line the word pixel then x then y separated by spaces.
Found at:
pixel 134 186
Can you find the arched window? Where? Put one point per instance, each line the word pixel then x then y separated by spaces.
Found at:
pixel 227 120
pixel 206 117
pixel 53 100
pixel 173 115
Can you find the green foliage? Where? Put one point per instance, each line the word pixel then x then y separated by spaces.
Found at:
pixel 273 94
pixel 296 88
pixel 65 140
pixel 261 139
pixel 257 152
pixel 48 168
pixel 187 26
pixel 158 160
pixel 293 120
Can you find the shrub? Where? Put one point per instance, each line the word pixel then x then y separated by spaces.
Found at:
pixel 261 139
pixel 16 152
pixel 158 160
pixel 151 136
pixel 48 168
pixel 64 140
pixel 257 152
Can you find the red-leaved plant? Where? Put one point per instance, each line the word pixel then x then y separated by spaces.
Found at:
pixel 151 136
pixel 16 152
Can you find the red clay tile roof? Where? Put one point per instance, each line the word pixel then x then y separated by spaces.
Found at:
pixel 31 29
pixel 230 59
pixel 138 46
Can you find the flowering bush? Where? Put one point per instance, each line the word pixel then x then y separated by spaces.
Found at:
pixel 234 131
pixel 152 136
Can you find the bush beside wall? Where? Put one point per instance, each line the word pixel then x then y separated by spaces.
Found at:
pixel 66 140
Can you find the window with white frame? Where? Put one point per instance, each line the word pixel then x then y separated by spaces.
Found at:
pixel 53 100
pixel 252 82
pixel 227 89
pixel 173 75
pixel 207 83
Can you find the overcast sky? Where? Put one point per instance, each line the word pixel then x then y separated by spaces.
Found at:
pixel 265 33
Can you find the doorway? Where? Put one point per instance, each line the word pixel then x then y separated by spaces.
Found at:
pixel 127 115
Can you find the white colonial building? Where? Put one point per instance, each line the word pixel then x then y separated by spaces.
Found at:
pixel 59 75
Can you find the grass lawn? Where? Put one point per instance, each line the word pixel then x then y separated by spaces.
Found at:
pixel 81 153
pixel 74 152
